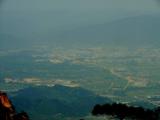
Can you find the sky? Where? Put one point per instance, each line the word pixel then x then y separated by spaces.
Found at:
pixel 27 17
pixel 59 13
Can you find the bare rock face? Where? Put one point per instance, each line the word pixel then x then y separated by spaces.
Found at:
pixel 7 110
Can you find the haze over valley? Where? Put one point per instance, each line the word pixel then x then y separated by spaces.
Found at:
pixel 60 58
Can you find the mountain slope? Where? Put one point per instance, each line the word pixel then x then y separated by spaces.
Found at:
pixel 48 102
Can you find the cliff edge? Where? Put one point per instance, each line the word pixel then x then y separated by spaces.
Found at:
pixel 7 110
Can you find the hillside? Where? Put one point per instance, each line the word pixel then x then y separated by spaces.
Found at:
pixel 57 101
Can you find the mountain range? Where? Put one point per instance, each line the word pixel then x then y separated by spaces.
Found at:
pixel 132 31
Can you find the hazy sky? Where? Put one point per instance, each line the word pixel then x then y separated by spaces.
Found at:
pixel 25 17
pixel 66 12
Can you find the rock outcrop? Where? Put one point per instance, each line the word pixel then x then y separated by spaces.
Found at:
pixel 7 110
pixel 123 111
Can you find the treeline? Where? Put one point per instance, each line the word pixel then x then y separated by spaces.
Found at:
pixel 123 111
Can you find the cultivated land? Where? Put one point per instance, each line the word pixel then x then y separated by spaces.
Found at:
pixel 119 74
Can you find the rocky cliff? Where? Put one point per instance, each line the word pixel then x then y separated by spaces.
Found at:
pixel 7 110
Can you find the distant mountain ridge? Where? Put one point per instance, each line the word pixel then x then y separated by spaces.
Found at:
pixel 138 31
pixel 132 32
